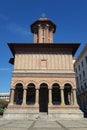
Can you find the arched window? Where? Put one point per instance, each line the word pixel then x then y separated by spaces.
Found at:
pixel 18 97
pixel 30 100
pixel 68 96
pixel 56 96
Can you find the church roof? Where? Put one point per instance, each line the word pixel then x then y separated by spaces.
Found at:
pixel 43 20
pixel 46 48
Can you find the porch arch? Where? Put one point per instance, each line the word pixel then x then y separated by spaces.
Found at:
pixel 56 94
pixel 18 96
pixel 18 82
pixel 31 94
pixel 43 97
pixel 68 95
pixel 43 82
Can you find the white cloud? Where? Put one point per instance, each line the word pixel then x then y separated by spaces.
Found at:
pixel 3 17
pixel 14 28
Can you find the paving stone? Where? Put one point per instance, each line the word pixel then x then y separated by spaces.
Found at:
pixel 73 123
pixel 46 124
pixel 43 124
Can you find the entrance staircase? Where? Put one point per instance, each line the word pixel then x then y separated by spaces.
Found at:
pixel 43 116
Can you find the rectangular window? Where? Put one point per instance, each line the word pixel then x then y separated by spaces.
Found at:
pixel 80 77
pixel 82 63
pixel 83 73
pixel 86 59
pixel 84 85
pixel 75 70
pixel 79 67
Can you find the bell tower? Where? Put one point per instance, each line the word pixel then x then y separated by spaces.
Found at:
pixel 43 30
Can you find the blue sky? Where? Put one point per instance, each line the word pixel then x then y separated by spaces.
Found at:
pixel 70 16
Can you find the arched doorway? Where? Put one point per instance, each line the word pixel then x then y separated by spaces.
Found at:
pixel 30 99
pixel 43 98
pixel 56 95
pixel 18 96
pixel 68 97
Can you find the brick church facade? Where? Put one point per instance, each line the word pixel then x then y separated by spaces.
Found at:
pixel 43 78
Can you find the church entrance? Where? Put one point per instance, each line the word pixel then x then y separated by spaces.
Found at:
pixel 43 98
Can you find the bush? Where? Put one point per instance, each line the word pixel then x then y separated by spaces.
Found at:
pixel 3 104
pixel 1 111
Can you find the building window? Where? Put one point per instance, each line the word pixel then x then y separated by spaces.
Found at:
pixel 75 70
pixel 83 73
pixel 77 80
pixel 86 59
pixel 81 87
pixel 79 67
pixel 84 85
pixel 80 76
pixel 82 63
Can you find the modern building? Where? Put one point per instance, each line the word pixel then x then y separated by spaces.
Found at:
pixel 81 78
pixel 5 95
pixel 43 79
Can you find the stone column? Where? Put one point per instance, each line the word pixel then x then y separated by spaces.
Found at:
pixel 37 97
pixel 50 97
pixel 62 97
pixel 74 97
pixel 24 97
pixel 72 102
pixel 12 97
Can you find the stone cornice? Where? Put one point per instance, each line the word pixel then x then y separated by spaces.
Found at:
pixel 42 73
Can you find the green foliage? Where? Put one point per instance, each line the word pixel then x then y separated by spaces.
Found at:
pixel 3 105
pixel 1 111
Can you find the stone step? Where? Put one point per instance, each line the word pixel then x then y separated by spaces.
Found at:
pixel 43 115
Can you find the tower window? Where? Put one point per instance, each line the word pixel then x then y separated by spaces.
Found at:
pixel 43 36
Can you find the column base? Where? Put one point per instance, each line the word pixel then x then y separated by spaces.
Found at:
pixel 10 104
pixel 62 104
pixel 36 105
pixel 50 105
pixel 23 104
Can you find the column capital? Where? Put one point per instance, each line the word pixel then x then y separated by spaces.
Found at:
pixel 12 88
pixel 73 88
pixel 49 88
pixel 37 88
pixel 25 88
pixel 61 87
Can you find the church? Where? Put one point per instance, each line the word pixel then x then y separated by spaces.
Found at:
pixel 43 77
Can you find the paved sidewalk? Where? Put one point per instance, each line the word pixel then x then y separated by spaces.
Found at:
pixel 43 124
